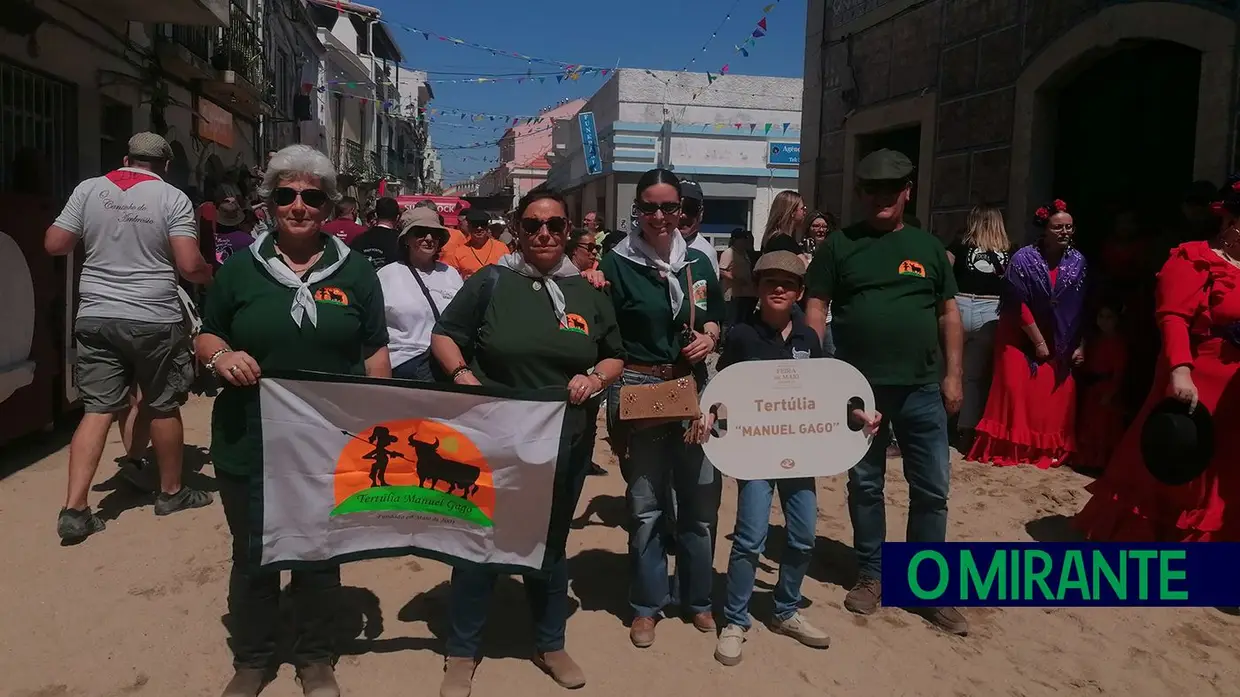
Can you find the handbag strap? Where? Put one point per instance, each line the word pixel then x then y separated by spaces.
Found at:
pixel 692 305
pixel 425 291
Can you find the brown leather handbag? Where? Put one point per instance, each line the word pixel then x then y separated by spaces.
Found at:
pixel 664 402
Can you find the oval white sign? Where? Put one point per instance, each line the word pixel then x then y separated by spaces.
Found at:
pixel 784 419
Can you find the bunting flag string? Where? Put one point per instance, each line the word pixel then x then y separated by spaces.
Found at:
pixel 428 35
pixel 727 16
pixel 569 68
pixel 759 31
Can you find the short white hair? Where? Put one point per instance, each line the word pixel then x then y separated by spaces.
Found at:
pixel 297 161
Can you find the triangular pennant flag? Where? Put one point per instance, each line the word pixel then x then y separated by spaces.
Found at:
pixel 724 70
pixel 514 121
pixel 786 125
pixel 738 126
pixel 541 80
pixel 559 78
pixel 768 129
pixel 742 50
pixel 520 80
pixel 710 78
pixel 758 34
pixel 753 127
pixel 426 35
pixel 718 127
pixel 762 23
pixel 603 73
pixel 768 8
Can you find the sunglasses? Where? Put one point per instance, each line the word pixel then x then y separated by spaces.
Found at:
pixel 285 196
pixel 555 226
pixel 591 248
pixel 648 208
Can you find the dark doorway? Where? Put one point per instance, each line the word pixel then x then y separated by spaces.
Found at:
pixel 1126 134
pixel 905 140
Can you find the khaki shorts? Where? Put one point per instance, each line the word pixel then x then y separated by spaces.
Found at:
pixel 115 355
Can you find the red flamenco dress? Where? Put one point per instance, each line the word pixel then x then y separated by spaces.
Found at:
pixel 1198 312
pixel 1031 410
pixel 1100 414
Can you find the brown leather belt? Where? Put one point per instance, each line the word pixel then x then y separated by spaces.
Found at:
pixel 663 371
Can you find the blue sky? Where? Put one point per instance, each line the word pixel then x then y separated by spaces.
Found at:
pixel 656 34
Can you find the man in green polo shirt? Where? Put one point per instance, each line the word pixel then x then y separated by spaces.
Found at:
pixel 894 317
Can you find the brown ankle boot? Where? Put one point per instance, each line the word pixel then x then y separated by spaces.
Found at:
pixel 246 682
pixel 562 669
pixel 458 677
pixel 318 680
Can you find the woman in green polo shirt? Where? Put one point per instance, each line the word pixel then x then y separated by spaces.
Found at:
pixel 296 299
pixel 530 321
pixel 658 286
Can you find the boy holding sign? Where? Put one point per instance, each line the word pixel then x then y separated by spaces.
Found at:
pixel 774 332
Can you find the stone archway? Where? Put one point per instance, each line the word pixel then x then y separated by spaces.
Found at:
pixel 1211 33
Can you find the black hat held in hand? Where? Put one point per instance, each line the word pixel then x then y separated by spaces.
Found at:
pixel 1176 445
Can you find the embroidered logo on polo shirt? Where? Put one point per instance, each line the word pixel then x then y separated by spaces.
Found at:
pixel 575 323
pixel 796 353
pixel 331 294
pixel 699 294
pixel 908 267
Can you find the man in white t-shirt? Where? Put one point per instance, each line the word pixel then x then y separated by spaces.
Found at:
pixel 691 209
pixel 138 232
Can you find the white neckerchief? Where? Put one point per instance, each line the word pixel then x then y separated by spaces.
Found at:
pixel 638 251
pixel 303 299
pixel 565 269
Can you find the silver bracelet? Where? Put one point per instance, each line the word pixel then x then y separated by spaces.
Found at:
pixel 215 357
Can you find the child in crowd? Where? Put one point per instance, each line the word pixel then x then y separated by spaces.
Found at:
pixel 1100 415
pixel 773 332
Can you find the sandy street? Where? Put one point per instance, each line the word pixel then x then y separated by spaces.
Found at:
pixel 137 609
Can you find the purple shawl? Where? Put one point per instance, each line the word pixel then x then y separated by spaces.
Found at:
pixel 1060 308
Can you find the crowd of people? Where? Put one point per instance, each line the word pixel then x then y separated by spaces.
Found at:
pixel 1011 354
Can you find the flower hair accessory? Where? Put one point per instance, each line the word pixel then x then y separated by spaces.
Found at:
pixel 1042 215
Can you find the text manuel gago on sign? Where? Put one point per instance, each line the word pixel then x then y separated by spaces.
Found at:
pixel 1030 574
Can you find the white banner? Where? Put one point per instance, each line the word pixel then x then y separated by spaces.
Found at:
pixel 357 469
pixel 784 419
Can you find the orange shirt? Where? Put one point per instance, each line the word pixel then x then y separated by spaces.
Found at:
pixel 456 238
pixel 467 260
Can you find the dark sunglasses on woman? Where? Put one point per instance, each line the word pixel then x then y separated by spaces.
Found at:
pixel 556 225
pixel 648 208
pixel 313 198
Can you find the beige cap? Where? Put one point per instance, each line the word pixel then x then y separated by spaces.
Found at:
pixel 422 218
pixel 780 261
pixel 150 145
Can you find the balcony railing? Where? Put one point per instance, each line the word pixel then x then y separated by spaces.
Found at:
pixel 239 49
pixel 196 40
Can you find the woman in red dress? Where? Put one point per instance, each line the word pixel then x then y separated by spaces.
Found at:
pixel 1100 415
pixel 1198 312
pixel 1031 411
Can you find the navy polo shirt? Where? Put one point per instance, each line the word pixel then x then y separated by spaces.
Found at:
pixel 754 340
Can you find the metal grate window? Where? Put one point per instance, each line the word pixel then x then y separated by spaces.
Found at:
pixel 38 132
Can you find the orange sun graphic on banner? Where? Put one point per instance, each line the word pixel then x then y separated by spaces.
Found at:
pixel 414 466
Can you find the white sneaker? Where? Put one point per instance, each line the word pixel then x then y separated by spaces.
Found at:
pixel 728 648
pixel 800 629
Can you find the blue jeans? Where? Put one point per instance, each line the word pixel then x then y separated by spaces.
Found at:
pixel 472 586
pixel 416 368
pixel 666 478
pixel 980 317
pixel 753 519
pixel 919 420
pixel 471 600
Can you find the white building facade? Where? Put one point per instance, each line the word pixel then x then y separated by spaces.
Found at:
pixel 737 136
